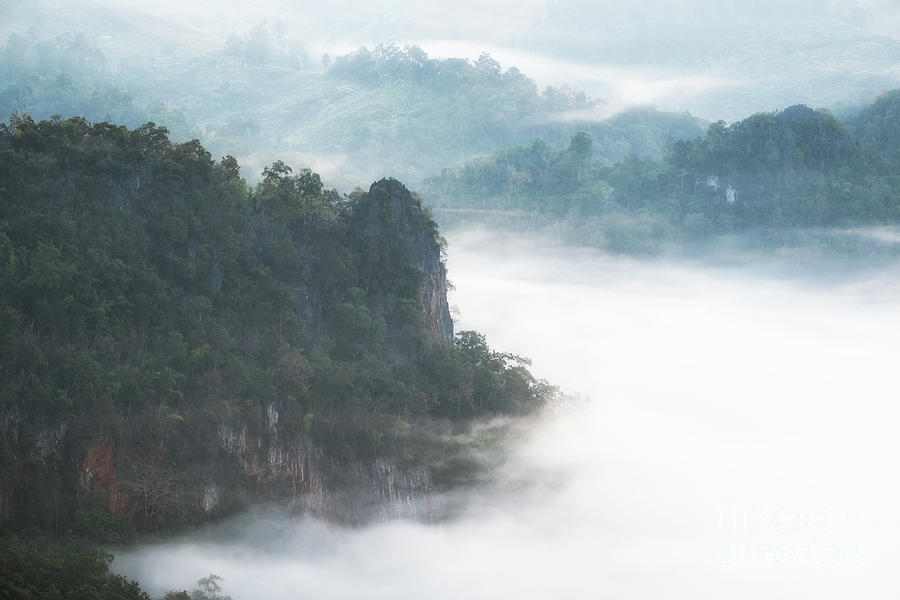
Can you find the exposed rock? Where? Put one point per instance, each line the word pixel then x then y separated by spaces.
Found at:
pixel 210 498
pixel 392 211
pixel 403 493
pixel 436 310
pixel 271 417
pixel 98 472
pixel 49 440
pixel 295 471
pixel 9 423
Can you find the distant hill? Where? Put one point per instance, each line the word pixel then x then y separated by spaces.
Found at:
pixel 258 96
pixel 796 168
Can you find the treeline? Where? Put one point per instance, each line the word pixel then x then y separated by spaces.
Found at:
pixel 39 569
pixel 794 168
pixel 515 91
pixel 486 106
pixel 377 110
pixel 148 295
pixel 70 75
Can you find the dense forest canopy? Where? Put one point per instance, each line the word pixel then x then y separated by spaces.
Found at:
pixel 797 167
pixel 357 115
pixel 150 297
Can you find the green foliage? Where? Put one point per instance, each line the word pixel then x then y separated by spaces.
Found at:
pixel 38 570
pixel 377 110
pixel 96 524
pixel 794 168
pixel 153 300
pixel 208 588
pixel 878 129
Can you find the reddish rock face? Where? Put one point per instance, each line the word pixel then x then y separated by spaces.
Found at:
pixel 98 472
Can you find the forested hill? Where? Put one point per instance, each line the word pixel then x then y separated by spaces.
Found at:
pixel 368 112
pixel 795 168
pixel 175 344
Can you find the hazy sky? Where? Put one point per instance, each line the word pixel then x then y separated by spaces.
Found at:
pixel 497 20
pixel 716 58
pixel 739 442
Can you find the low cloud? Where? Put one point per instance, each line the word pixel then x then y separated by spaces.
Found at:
pixel 738 440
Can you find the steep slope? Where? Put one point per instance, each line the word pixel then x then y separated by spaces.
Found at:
pixel 176 344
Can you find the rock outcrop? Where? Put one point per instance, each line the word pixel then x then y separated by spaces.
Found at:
pixel 401 247
pixel 390 211
pixel 195 345
pixel 293 472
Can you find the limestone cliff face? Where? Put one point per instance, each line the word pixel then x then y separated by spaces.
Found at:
pixel 403 284
pixel 401 248
pixel 253 468
pixel 294 470
pixel 436 310
pixel 390 211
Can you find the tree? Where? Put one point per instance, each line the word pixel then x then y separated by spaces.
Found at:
pixel 158 487
pixel 209 589
pixel 487 68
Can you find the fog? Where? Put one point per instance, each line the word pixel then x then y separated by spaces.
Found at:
pixel 258 81
pixel 731 430
pixel 719 59
pixel 736 437
pixel 619 86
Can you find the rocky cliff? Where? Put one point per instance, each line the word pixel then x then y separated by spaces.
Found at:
pixel 177 344
pixel 424 238
pixel 251 468
pixel 256 464
pixel 390 212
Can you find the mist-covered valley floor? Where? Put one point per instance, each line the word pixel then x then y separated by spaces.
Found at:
pixel 734 437
pixel 715 291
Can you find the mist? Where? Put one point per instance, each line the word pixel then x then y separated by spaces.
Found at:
pixel 734 437
pixel 718 59
pixel 728 420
